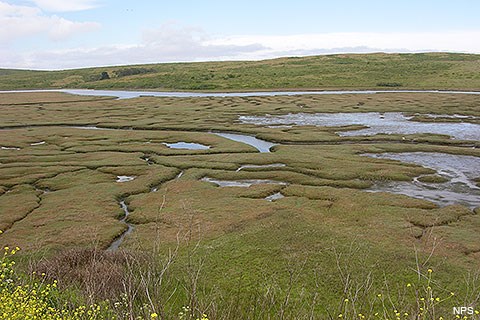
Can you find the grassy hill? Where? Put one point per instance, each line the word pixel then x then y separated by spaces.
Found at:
pixel 344 71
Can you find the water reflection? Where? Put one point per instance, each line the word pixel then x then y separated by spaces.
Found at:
pixel 459 171
pixel 187 145
pixel 261 145
pixel 386 123
pixel 125 94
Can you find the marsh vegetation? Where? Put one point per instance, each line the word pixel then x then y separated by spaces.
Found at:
pixel 324 246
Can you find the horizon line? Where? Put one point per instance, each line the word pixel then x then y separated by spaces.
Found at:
pixel 247 60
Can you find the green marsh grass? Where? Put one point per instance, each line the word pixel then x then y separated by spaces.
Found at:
pixel 227 252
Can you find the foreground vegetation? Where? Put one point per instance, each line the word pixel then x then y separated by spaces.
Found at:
pixel 142 291
pixel 327 250
pixel 346 71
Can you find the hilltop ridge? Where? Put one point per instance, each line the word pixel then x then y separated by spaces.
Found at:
pixel 443 71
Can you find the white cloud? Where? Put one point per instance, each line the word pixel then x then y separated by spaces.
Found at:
pixel 174 43
pixel 172 32
pixel 169 43
pixel 65 5
pixel 122 55
pixel 61 28
pixel 459 41
pixel 25 21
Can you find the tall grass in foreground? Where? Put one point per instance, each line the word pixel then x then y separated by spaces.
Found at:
pixel 23 297
pixel 147 291
pixel 97 284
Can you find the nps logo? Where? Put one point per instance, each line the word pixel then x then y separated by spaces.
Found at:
pixel 463 310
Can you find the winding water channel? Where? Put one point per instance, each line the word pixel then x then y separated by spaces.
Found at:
pixel 126 94
pixel 455 191
pixel 116 244
pixel 460 172
pixel 261 145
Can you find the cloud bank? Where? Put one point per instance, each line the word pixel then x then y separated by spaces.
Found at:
pixel 458 41
pixel 172 42
pixel 18 22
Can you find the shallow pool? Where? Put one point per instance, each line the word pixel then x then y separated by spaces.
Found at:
pixel 377 123
pixel 187 145
pixel 459 171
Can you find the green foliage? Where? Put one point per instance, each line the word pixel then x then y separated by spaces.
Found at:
pixel 25 299
pixel 104 75
pixel 421 299
pixel 125 72
pixel 347 71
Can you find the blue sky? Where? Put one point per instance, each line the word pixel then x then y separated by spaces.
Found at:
pixel 55 34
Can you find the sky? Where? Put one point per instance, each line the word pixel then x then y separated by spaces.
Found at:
pixel 65 34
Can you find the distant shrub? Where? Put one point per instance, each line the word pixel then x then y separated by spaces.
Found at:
pixel 104 75
pixel 131 72
pixel 97 77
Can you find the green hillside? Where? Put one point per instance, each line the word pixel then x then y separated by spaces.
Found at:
pixel 346 71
